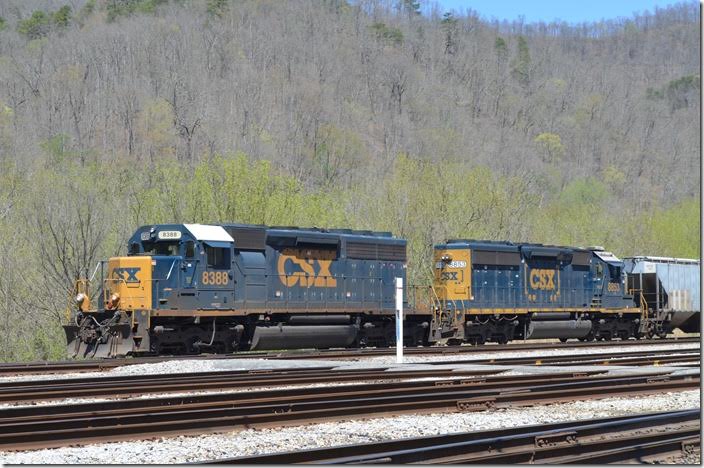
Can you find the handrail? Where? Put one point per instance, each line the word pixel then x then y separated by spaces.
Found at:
pixel 95 271
pixel 168 275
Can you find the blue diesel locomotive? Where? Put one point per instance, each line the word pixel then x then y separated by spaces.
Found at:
pixel 187 288
pixel 499 291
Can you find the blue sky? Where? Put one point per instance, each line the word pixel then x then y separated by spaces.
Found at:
pixel 572 11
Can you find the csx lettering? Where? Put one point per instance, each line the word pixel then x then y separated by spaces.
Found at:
pixel 304 274
pixel 542 279
pixel 128 275
pixel 449 276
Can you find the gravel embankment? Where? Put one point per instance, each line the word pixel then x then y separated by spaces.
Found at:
pixel 254 441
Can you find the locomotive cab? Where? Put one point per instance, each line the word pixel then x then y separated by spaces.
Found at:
pixel 167 267
pixel 609 279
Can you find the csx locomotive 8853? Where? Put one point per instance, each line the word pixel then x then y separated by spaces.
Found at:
pixel 190 288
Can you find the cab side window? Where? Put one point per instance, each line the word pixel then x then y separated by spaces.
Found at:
pixel 190 250
pixel 218 258
pixel 599 271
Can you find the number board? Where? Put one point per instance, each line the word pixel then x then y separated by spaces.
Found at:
pixel 175 235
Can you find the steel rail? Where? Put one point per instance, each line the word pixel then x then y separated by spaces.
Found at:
pixel 604 440
pixel 164 383
pixel 321 405
pixel 96 365
pixel 636 357
pixel 16 391
pixel 480 382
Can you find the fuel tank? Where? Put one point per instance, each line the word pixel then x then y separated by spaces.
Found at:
pixel 303 336
pixel 559 329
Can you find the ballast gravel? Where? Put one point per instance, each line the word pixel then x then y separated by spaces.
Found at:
pixel 214 365
pixel 256 441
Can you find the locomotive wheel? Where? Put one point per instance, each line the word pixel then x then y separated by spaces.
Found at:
pixel 476 340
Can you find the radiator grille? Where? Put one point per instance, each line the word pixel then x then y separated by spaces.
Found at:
pixel 372 251
pixel 249 238
pixel 492 257
pixel 581 258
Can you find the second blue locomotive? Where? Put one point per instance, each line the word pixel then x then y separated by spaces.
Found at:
pixel 499 291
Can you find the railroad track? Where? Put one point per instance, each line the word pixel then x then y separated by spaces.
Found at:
pixel 53 426
pixel 125 385
pixel 638 438
pixel 57 367
pixel 630 358
pixel 121 386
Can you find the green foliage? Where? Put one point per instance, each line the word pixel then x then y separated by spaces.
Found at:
pixel 88 8
pixel 449 26
pixel 387 34
pixel 118 8
pixel 682 92
pixel 3 23
pixel 577 216
pixel 448 19
pixel 156 127
pixel 521 64
pixel 217 7
pixel 34 27
pixel 501 49
pixel 39 24
pixel 676 231
pixel 551 144
pixel 653 94
pixel 56 148
pixel 62 17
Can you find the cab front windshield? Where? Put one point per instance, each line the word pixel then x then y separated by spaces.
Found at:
pixel 170 248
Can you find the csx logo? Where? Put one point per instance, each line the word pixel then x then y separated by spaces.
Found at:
pixel 449 276
pixel 304 273
pixel 128 275
pixel 542 279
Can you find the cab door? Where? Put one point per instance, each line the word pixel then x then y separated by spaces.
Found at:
pixel 214 276
pixel 189 278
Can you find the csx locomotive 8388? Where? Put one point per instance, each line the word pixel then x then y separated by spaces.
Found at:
pixel 186 288
pixel 189 288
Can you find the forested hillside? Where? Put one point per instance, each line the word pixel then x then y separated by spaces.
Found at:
pixel 367 114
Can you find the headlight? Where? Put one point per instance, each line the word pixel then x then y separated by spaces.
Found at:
pixel 80 297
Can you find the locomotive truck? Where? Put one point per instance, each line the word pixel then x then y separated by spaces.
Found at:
pixel 191 288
